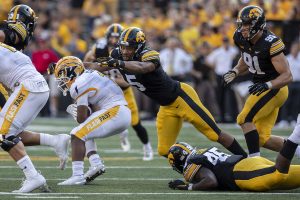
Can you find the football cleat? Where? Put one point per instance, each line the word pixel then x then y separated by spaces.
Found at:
pixel 30 184
pixel 94 172
pixel 61 149
pixel 148 152
pixel 74 180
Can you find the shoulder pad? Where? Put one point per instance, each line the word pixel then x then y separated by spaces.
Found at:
pixel 81 85
pixel 149 55
pixel 277 46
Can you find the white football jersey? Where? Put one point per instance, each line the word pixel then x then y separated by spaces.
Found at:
pixel 17 68
pixel 97 90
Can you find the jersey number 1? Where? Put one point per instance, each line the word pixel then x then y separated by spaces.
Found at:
pixel 253 64
pixel 131 80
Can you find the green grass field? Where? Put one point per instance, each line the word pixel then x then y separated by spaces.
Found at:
pixel 127 176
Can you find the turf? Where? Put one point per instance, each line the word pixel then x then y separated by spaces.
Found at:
pixel 127 176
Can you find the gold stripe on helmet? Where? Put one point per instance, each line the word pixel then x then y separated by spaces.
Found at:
pixel 183 147
pixel 115 29
pixel 15 13
pixel 127 34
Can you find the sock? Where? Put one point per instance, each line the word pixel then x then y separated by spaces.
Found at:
pixel 297 153
pixel 148 146
pixel 77 167
pixel 27 166
pixel 48 140
pixel 124 134
pixel 141 133
pixel 295 136
pixel 252 140
pixel 288 149
pixel 95 160
pixel 90 145
pixel 236 149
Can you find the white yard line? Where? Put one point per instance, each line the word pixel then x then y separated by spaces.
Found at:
pixel 156 193
pixel 109 167
pixel 50 197
pixel 101 179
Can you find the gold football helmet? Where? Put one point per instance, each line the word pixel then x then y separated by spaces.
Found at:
pixel 67 69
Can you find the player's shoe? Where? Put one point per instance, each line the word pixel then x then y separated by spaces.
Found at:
pixel 74 180
pixel 30 184
pixel 61 149
pixel 125 144
pixel 148 152
pixel 94 172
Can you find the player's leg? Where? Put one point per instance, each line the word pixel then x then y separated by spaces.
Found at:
pixel 125 144
pixel 137 125
pixel 168 126
pixel 21 108
pixel 258 108
pixel 189 107
pixel 257 174
pixel 100 124
pixel 287 153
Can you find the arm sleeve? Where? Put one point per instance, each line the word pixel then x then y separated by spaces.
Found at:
pixel 277 47
pixel 151 56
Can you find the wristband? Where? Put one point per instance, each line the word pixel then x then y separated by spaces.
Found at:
pixel 236 71
pixel 269 84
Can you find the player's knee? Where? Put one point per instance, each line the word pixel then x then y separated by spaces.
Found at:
pixel 263 139
pixel 8 143
pixel 163 151
pixel 240 119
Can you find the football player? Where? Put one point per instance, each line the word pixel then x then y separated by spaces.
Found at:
pixel 262 55
pixel 30 93
pixel 100 51
pixel 101 111
pixel 140 67
pixel 211 169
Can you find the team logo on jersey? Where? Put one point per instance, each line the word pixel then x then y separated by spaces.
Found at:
pixel 255 12
pixel 140 36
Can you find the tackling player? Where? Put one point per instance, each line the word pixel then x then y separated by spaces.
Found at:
pixel 262 55
pixel 211 169
pixel 30 94
pixel 140 67
pixel 101 111
pixel 100 51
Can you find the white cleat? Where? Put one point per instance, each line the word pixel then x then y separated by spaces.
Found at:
pixel 148 152
pixel 94 172
pixel 61 149
pixel 31 184
pixel 125 144
pixel 74 180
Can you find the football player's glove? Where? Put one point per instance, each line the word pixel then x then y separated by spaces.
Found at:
pixel 229 76
pixel 72 110
pixel 258 88
pixel 20 28
pixel 113 63
pixel 178 185
pixel 51 68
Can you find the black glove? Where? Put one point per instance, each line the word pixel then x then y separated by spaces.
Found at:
pixel 111 62
pixel 178 185
pixel 51 68
pixel 228 77
pixel 258 88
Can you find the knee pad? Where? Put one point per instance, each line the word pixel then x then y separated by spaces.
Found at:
pixel 8 143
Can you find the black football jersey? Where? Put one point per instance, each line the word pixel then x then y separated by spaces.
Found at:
pixel 220 163
pixel 156 84
pixel 258 56
pixel 10 37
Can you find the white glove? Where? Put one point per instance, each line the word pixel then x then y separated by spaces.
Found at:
pixel 72 110
pixel 229 76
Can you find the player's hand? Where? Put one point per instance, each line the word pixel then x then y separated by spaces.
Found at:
pixel 113 63
pixel 258 88
pixel 229 76
pixel 51 68
pixel 72 110
pixel 178 185
pixel 20 29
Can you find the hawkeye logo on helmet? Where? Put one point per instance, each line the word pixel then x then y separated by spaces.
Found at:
pixel 255 12
pixel 140 36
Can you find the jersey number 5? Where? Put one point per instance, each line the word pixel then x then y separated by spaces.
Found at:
pixel 252 63
pixel 131 80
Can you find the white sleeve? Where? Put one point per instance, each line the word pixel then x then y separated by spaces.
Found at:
pixel 83 99
pixel 211 58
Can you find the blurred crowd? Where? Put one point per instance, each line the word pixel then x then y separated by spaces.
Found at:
pixel 194 38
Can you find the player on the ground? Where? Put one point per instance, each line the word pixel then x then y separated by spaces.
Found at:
pixel 211 169
pixel 262 55
pixel 141 68
pixel 100 109
pixel 101 51
pixel 30 93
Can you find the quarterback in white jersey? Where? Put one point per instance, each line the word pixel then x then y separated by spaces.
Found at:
pixel 100 108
